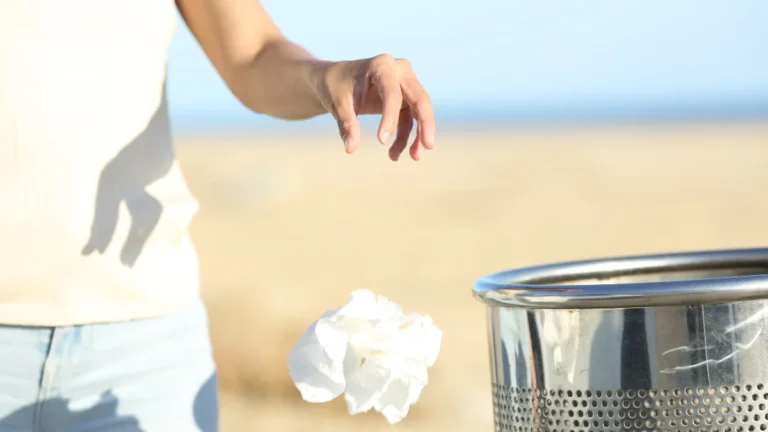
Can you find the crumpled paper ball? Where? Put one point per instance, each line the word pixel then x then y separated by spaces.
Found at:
pixel 370 351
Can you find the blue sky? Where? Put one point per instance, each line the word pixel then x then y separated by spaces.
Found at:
pixel 512 58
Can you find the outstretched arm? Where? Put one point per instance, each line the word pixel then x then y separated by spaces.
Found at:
pixel 274 76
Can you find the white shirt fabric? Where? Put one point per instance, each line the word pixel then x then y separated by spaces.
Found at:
pixel 94 210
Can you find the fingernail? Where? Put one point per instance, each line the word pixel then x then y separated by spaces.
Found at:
pixel 385 137
pixel 431 140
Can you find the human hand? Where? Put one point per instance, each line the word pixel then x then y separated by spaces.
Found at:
pixel 379 85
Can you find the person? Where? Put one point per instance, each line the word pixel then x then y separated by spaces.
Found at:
pixel 101 323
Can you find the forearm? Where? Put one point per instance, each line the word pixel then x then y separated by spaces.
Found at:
pixel 265 71
pixel 282 80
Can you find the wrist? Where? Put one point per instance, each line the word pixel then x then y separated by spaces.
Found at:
pixel 283 81
pixel 318 77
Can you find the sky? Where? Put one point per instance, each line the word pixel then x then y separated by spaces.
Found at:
pixel 507 60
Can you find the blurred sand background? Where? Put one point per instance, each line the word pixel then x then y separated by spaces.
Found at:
pixel 289 225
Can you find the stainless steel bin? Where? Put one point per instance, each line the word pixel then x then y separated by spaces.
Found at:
pixel 674 342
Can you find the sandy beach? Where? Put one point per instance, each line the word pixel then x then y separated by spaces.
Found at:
pixel 290 225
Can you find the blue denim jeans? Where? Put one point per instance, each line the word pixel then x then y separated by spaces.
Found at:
pixel 153 375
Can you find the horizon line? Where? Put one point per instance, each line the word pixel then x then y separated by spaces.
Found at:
pixel 495 116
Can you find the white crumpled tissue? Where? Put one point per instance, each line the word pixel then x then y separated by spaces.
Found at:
pixel 370 351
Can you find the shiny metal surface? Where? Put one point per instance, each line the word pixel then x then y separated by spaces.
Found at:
pixel 635 281
pixel 700 366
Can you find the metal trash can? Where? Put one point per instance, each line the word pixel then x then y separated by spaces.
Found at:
pixel 674 342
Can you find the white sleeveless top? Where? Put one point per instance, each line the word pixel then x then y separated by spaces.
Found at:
pixel 94 211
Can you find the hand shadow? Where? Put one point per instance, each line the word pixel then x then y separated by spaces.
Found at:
pixel 56 415
pixel 144 160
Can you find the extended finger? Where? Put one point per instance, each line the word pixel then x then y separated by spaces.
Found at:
pixel 421 107
pixel 349 127
pixel 404 128
pixel 415 150
pixel 384 77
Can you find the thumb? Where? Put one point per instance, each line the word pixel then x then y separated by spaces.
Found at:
pixel 349 127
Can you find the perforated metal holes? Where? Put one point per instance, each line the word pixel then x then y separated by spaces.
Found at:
pixel 727 408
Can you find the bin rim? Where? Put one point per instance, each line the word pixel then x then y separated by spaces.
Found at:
pixel 545 287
